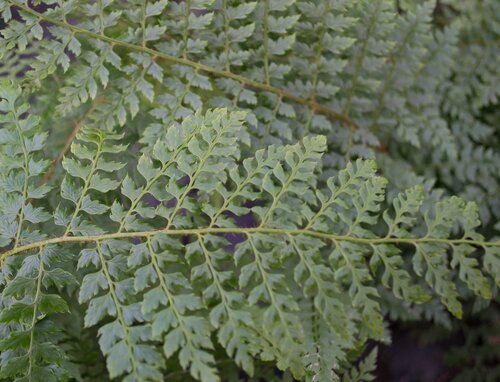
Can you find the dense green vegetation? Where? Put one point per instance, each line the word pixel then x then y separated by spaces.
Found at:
pixel 229 190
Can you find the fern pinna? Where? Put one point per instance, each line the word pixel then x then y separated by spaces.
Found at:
pixel 216 189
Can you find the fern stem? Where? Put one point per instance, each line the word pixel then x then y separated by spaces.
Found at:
pixel 387 82
pixel 244 231
pixel 307 125
pixel 319 51
pixel 74 132
pixel 86 187
pixel 143 22
pixel 180 100
pixel 237 192
pixel 264 273
pixel 163 285
pixel 101 17
pixel 316 107
pixel 265 41
pixel 285 187
pixel 317 66
pixel 194 177
pixel 320 284
pixel 33 321
pixel 119 312
pixel 352 268
pixel 217 281
pixel 152 181
pixel 361 58
pixel 271 120
pixel 26 179
pixel 185 32
pixel 227 42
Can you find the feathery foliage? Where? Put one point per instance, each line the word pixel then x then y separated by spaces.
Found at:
pixel 209 187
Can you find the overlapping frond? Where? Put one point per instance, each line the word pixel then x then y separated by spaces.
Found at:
pixel 28 347
pixel 284 62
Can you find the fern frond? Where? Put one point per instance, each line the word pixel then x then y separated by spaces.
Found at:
pixel 143 57
pixel 30 350
pixel 163 272
pixel 21 165
pixel 364 370
pixel 185 228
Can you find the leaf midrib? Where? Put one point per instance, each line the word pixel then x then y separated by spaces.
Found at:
pixel 237 230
